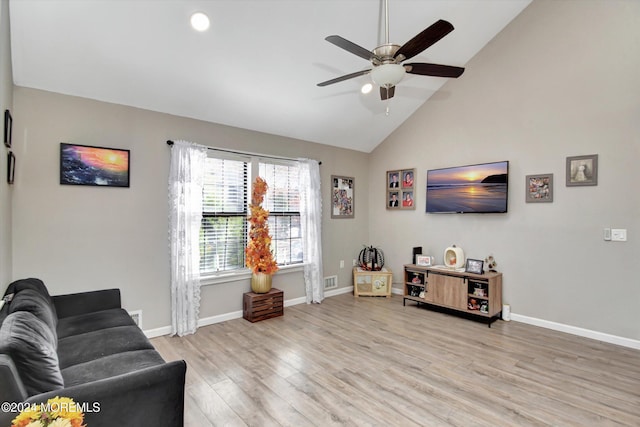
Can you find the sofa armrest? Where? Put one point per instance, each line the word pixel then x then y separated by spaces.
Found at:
pixel 11 387
pixel 86 302
pixel 149 397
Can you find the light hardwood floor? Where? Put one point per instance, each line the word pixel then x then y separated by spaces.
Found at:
pixel 372 361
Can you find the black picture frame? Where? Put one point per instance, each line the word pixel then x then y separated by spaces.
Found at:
pixel 474 266
pixel 11 167
pixel 94 166
pixel 8 128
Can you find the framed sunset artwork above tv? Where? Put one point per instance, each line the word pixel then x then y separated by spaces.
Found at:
pixel 481 188
pixel 98 166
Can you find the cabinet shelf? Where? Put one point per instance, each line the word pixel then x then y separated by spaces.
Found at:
pixel 475 295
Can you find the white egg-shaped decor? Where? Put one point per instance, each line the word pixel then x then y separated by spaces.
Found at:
pixel 454 257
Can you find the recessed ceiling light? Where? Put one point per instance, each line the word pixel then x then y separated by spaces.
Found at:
pixel 200 21
pixel 366 88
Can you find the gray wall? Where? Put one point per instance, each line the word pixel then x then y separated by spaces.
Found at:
pixel 561 80
pixel 78 238
pixel 6 103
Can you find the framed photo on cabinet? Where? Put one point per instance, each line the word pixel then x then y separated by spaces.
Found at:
pixel 474 266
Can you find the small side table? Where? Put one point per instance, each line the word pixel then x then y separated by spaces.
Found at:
pixel 372 283
pixel 256 307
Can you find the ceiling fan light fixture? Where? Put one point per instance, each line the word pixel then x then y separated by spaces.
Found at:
pixel 200 21
pixel 387 75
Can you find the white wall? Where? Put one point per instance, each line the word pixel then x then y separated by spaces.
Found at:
pixel 6 103
pixel 79 238
pixel 561 80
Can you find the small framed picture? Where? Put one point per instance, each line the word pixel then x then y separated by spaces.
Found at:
pixel 424 260
pixel 582 170
pixel 539 188
pixel 474 266
pixel 393 200
pixel 8 128
pixel 408 176
pixel 342 196
pixel 407 200
pixel 393 179
pixel 400 189
pixel 11 167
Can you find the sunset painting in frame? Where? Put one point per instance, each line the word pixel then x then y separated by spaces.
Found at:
pixel 86 165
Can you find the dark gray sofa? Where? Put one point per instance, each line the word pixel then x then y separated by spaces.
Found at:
pixel 86 347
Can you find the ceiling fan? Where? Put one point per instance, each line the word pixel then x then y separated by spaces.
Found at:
pixel 386 59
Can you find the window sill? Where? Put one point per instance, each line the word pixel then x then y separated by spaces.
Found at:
pixel 244 274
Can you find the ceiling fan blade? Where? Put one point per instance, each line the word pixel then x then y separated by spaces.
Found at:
pixel 435 70
pixel 343 78
pixel 387 93
pixel 351 47
pixel 423 40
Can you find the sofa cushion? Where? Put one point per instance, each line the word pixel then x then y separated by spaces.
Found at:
pixel 82 348
pixel 31 345
pixel 80 324
pixel 33 284
pixel 110 366
pixel 37 304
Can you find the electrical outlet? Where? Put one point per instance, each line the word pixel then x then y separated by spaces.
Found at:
pixel 341 263
pixel 354 262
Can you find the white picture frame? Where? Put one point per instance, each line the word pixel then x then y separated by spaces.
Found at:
pixel 423 260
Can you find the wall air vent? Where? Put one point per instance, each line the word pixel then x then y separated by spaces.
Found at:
pixel 330 282
pixel 136 315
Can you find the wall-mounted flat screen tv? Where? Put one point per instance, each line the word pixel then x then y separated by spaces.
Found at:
pixel 478 188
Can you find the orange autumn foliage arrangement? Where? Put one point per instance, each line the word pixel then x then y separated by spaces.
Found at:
pixel 57 412
pixel 259 257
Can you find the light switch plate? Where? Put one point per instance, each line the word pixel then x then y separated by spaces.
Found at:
pixel 606 234
pixel 619 234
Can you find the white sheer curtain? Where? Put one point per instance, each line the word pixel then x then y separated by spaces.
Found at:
pixel 186 179
pixel 311 222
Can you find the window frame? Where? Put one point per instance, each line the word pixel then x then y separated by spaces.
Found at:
pixel 253 162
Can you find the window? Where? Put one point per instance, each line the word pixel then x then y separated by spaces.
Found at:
pixel 226 194
pixel 283 203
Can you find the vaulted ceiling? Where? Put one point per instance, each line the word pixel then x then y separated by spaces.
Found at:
pixel 256 67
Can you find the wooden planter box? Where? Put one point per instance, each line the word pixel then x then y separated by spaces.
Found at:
pixel 256 307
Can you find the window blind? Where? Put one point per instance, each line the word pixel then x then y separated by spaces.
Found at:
pixel 224 216
pixel 283 203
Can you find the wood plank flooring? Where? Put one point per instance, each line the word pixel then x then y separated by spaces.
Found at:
pixel 374 362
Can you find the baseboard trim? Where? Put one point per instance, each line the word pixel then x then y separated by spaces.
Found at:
pixel 166 330
pixel 574 330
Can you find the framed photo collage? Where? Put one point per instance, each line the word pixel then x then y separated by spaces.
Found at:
pixel 400 189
